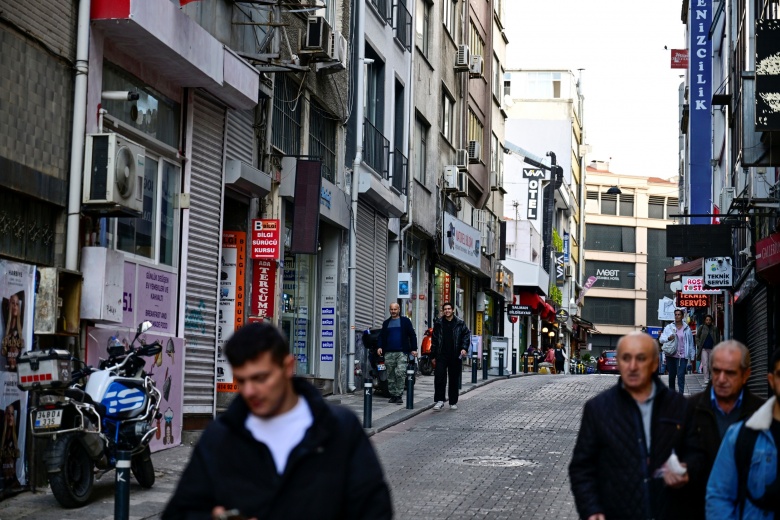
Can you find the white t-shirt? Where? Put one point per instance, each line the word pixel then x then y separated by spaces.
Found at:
pixel 281 433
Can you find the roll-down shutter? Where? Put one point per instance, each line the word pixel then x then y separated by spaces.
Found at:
pixel 208 137
pixel 240 136
pixel 757 340
pixel 371 290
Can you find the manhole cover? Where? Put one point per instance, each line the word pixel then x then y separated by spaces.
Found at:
pixel 499 462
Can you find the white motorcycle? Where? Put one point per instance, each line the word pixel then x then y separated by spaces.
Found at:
pixel 88 424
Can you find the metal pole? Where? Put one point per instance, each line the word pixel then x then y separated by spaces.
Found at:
pixel 460 373
pixel 501 362
pixel 474 361
pixel 484 364
pixel 410 383
pixel 514 351
pixel 122 487
pixel 368 396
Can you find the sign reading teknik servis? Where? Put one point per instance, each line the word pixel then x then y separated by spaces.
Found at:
pixel 461 241
pixel 718 272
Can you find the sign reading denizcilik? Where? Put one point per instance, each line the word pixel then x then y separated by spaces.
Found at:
pixel 700 119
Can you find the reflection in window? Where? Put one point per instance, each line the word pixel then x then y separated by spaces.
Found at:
pixel 135 235
pixel 170 179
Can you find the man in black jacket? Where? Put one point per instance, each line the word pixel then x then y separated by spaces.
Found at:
pixel 628 433
pixel 450 342
pixel 724 402
pixel 279 451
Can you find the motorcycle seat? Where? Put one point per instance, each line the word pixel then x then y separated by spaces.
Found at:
pixel 80 395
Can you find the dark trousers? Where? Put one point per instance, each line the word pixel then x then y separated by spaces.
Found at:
pixel 446 366
pixel 676 368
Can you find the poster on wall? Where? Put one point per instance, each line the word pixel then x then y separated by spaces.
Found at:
pixel 165 369
pixel 404 285
pixel 149 295
pixel 17 287
pixel 231 301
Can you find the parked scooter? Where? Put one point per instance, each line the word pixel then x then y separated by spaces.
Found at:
pixel 426 362
pixel 87 424
pixel 376 370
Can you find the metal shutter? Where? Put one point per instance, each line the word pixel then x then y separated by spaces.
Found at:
pixel 757 340
pixel 371 290
pixel 240 136
pixel 204 245
pixel 380 269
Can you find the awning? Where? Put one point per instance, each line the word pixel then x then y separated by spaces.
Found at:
pixel 585 324
pixel 532 300
pixel 548 313
pixel 688 268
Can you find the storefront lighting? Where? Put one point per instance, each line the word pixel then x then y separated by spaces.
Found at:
pixel 544 329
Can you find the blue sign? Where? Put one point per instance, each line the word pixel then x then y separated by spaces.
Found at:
pixel 329 311
pixel 326 357
pixel 327 344
pixel 300 333
pixel 327 333
pixel 327 322
pixel 654 331
pixel 300 344
pixel 300 321
pixel 301 358
pixel 565 247
pixel 700 119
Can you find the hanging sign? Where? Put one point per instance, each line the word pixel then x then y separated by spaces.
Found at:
pixel 535 177
pixel 265 239
pixel 718 272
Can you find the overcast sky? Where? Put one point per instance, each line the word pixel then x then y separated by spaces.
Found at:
pixel 631 93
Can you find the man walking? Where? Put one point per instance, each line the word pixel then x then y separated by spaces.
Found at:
pixel 745 482
pixel 707 337
pixel 279 451
pixel 679 335
pixel 451 340
pixel 396 341
pixel 724 402
pixel 627 434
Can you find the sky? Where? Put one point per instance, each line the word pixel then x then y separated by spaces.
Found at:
pixel 631 93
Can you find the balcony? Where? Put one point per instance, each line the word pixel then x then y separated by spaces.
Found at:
pixel 382 7
pixel 403 25
pixel 376 149
pixel 400 165
pixel 386 193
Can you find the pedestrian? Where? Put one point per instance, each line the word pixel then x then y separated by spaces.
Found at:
pixel 451 340
pixel 677 344
pixel 627 437
pixel 745 481
pixel 548 360
pixel 396 341
pixel 279 451
pixel 725 401
pixel 560 358
pixel 707 337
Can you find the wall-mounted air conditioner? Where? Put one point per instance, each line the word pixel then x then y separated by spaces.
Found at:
pixel 462 159
pixel 760 182
pixel 450 178
pixel 336 54
pixel 316 39
pixel 726 196
pixel 568 271
pixel 463 58
pixel 496 179
pixel 475 66
pixel 475 150
pixel 113 175
pixel 462 184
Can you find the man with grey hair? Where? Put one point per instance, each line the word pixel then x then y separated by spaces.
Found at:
pixel 725 401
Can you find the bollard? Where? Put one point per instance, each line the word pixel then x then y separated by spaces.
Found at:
pixel 474 361
pixel 368 395
pixel 536 362
pixel 500 362
pixel 525 362
pixel 484 365
pixel 514 360
pixel 410 370
pixel 122 488
pixel 460 373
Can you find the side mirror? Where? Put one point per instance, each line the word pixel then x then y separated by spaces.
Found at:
pixel 143 327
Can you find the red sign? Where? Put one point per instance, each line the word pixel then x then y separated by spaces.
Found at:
pixel 692 300
pixel 513 319
pixel 679 58
pixel 768 257
pixel 265 239
pixel 263 288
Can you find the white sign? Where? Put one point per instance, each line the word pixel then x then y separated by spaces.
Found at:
pixel 695 285
pixel 666 309
pixel 718 272
pixel 404 285
pixel 461 241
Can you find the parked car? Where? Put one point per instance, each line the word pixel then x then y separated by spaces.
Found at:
pixel 607 362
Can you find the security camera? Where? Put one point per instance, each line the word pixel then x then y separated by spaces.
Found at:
pixel 119 95
pixel 368 61
pixel 746 252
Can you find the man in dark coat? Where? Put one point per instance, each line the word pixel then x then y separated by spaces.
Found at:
pixel 627 435
pixel 451 340
pixel 397 341
pixel 279 451
pixel 724 402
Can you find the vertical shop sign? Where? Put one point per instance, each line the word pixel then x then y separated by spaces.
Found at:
pixel 263 288
pixel 535 177
pixel 560 270
pixel 446 292
pixel 328 312
pixel 700 119
pixel 231 301
pixel 265 239
pixel 566 246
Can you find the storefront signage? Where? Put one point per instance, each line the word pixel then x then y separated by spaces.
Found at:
pixel 535 177
pixel 265 239
pixel 231 301
pixel 263 288
pixel 566 246
pixel 461 241
pixel 518 310
pixel 149 295
pixel 404 285
pixel 679 58
pixel 695 285
pixel 692 300
pixel 700 120
pixel 768 252
pixel 718 272
pixel 562 315
pixel 560 270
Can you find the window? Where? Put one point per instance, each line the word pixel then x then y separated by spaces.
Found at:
pixel 610 204
pixel 403 25
pixel 672 206
pixel 287 116
pixel 476 43
pixel 447 115
pixel 322 140
pixel 497 79
pixel 620 239
pixel 626 204
pixel 421 149
pixel 507 84
pixel 476 130
pixel 495 154
pixel 655 207
pixel 612 311
pixel 543 85
pixel 423 26
pixel 448 16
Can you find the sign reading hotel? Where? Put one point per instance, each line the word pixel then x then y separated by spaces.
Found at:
pixel 461 241
pixel 265 239
pixel 535 177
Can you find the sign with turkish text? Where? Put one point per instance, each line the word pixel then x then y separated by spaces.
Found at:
pixel 535 177
pixel 566 247
pixel 478 325
pixel 149 295
pixel 695 285
pixel 518 310
pixel 768 252
pixel 718 272
pixel 265 239
pixel 692 300
pixel 263 288
pixel 461 241
pixel 231 301
pixel 679 58
pixel 700 118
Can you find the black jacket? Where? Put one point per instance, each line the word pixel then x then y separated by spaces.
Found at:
pixel 707 437
pixel 333 473
pixel 408 336
pixel 610 471
pixel 460 332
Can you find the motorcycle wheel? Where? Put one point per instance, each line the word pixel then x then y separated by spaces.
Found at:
pixel 72 484
pixel 426 367
pixel 142 468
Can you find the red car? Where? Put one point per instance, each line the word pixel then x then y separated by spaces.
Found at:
pixel 607 363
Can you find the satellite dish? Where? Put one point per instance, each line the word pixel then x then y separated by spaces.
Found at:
pixel 124 171
pixel 676 286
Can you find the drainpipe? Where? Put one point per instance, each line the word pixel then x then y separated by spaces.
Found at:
pixel 72 238
pixel 359 100
pixel 409 173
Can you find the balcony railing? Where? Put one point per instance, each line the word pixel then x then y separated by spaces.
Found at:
pixel 383 8
pixel 403 25
pixel 400 166
pixel 376 149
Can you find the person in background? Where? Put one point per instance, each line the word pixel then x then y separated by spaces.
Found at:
pixel 279 451
pixel 560 359
pixel 706 338
pixel 678 333
pixel 396 341
pixel 451 340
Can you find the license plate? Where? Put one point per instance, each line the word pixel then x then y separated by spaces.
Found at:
pixel 48 418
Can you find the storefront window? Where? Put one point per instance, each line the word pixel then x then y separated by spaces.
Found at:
pixel 298 296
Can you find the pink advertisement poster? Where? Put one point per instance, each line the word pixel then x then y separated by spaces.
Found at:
pixel 166 369
pixel 150 295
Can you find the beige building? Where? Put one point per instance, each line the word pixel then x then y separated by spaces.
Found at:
pixel 625 248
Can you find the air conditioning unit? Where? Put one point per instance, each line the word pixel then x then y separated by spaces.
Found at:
pixel 568 271
pixel 726 196
pixel 463 58
pixel 113 175
pixel 317 38
pixel 496 179
pixel 337 54
pixel 475 66
pixel 760 183
pixel 462 184
pixel 474 152
pixel 462 159
pixel 450 178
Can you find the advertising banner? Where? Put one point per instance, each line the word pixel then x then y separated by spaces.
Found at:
pixel 265 239
pixel 231 301
pixel 404 285
pixel 535 177
pixel 560 270
pixel 700 119
pixel 149 295
pixel 588 284
pixel 718 272
pixel 695 285
pixel 263 288
pixel 17 290
pixel 679 58
pixel 461 241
